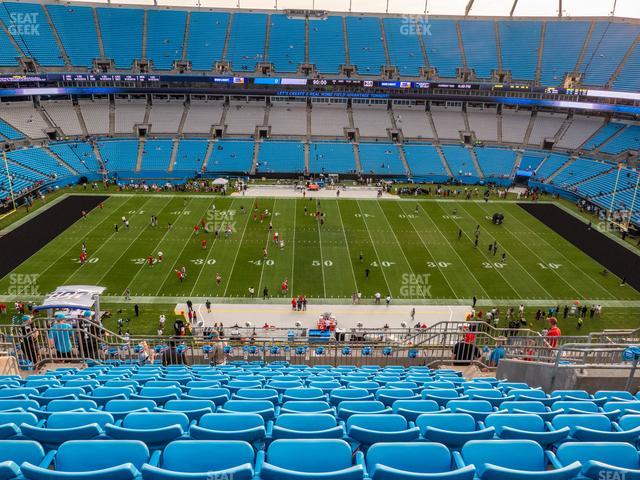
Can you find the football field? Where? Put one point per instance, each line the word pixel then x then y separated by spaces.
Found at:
pixel 418 251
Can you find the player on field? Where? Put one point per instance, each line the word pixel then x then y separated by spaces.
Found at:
pixel 275 238
pixel 196 229
pixel 284 287
pixel 281 244
pixel 229 230
pixel 160 256
pixel 203 243
pixel 150 260
pixel 265 253
pixel 218 278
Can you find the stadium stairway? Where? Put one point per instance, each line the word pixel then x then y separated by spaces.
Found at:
pixel 443 159
pixel 141 144
pixel 474 157
pixel 403 157
pixel 569 161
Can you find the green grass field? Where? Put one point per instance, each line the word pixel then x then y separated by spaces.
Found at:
pixel 414 256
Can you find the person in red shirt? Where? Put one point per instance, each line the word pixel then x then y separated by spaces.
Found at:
pixel 150 260
pixel 83 257
pixel 284 287
pixel 196 229
pixel 204 243
pixel 553 333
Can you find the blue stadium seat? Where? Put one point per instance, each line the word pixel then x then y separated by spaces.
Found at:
pixel 202 460
pixel 92 460
pixel 193 409
pixel 217 395
pixel 340 394
pixel 367 429
pixel 10 423
pixel 121 408
pixel 154 428
pixel 296 459
pixel 478 409
pixel 265 408
pixel 523 426
pixel 600 460
pixel 412 409
pixel 511 459
pixel 64 426
pixel 346 408
pixel 304 406
pixel 304 394
pixel 14 453
pixel 407 461
pixel 257 394
pixel 246 427
pixel 451 429
pixel 594 428
pixel 296 425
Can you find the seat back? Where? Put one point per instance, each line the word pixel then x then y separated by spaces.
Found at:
pixel 192 456
pixel 425 406
pixel 231 421
pixel 63 420
pixel 453 422
pixel 593 422
pixel 310 456
pixel 514 454
pixel 528 406
pixel 618 454
pixel 117 406
pixel 300 393
pixel 470 405
pixel 306 422
pixel 568 405
pixel 17 418
pixel 153 420
pixel 13 404
pixel 85 456
pixel 409 457
pixel 306 406
pixel 381 423
pixel 519 421
pixel 580 394
pixel 629 422
pixel 614 394
pixel 19 451
pixel 68 405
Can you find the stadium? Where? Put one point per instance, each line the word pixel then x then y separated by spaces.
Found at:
pixel 317 239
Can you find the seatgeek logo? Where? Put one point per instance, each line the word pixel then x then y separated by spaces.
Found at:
pixel 24 24
pixel 415 25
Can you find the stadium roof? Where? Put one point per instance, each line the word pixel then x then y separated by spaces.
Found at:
pixel 493 8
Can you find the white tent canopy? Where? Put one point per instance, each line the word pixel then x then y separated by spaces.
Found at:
pixel 72 297
pixel 220 181
pixel 496 8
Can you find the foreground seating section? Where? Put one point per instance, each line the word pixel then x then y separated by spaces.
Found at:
pixel 270 421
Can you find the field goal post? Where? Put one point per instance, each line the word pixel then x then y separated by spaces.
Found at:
pixel 10 183
pixel 623 221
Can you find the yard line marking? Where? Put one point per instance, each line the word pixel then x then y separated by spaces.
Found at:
pixel 235 258
pixel 563 255
pixel 406 260
pixel 66 252
pixel 346 242
pixel 483 254
pixel 451 247
pixel 184 246
pixel 540 258
pixel 293 244
pixel 210 251
pixel 125 250
pixel 429 253
pixel 264 260
pixel 374 247
pixel 512 256
pixel 324 285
